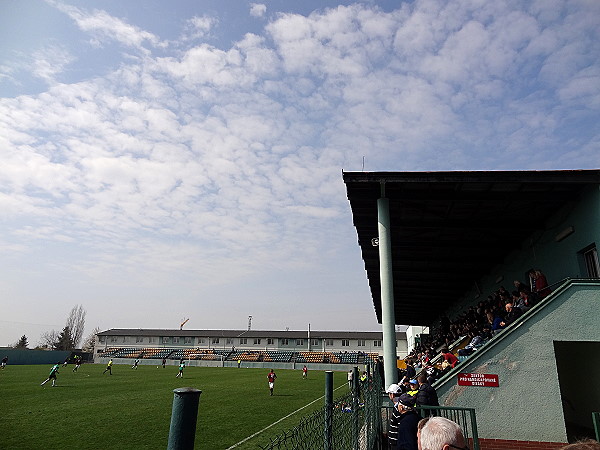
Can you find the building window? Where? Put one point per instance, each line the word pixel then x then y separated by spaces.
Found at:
pixel 201 341
pixel 269 341
pixel 165 340
pixel 314 342
pixel 139 339
pixel 215 340
pixel 175 340
pixel 361 342
pixel 590 260
pixel 376 343
pixel 345 343
pixel 299 341
pixel 243 341
pixel 329 342
pixel 284 342
pixel 256 341
pixel 101 339
pixel 187 340
pixel 229 341
pixel 124 339
pixel 113 339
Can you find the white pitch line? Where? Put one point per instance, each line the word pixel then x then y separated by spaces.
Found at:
pixel 283 418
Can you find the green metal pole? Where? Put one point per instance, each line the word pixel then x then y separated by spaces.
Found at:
pixel 355 398
pixel 388 317
pixel 183 418
pixel 327 435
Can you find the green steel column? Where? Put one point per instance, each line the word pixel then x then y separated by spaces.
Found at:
pixel 355 398
pixel 328 428
pixel 183 418
pixel 388 319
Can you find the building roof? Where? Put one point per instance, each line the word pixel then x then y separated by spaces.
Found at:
pixel 448 229
pixel 249 334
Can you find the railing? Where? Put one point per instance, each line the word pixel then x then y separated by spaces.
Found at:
pixel 464 417
pixel 596 422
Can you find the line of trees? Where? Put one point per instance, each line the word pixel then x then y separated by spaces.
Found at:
pixel 70 336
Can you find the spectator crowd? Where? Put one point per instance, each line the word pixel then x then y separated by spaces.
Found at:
pixel 479 324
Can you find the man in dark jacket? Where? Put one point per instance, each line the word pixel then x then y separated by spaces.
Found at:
pixel 427 396
pixel 403 425
pixel 512 314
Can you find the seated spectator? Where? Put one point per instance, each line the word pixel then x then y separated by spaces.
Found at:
pixel 518 301
pixel 433 373
pixel 495 322
pixel 476 341
pixel 512 314
pixel 449 357
pixel 521 286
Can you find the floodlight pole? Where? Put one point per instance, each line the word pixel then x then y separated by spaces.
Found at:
pixel 388 318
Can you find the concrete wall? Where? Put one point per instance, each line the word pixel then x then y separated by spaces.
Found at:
pixel 245 364
pixel 528 403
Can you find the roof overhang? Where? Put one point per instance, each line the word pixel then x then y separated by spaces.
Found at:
pixel 448 229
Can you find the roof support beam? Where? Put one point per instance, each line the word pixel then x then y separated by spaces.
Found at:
pixel 388 317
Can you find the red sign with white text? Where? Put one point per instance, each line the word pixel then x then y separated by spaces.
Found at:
pixel 478 379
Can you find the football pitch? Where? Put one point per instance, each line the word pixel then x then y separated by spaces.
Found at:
pixel 131 409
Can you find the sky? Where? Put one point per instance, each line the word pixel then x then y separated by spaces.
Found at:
pixel 170 160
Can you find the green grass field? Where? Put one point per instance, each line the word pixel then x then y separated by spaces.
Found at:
pixel 132 408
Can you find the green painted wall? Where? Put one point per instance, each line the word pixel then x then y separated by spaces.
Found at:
pixel 17 357
pixel 558 260
pixel 528 403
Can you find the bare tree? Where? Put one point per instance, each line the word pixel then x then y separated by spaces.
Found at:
pixel 88 342
pixel 76 324
pixel 48 339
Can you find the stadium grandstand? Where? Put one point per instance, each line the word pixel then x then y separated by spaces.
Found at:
pixel 336 350
pixel 497 273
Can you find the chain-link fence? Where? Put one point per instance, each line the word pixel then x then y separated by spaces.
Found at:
pixel 351 422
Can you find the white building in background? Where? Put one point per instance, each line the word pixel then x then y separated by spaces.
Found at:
pixel 248 340
pixel 413 336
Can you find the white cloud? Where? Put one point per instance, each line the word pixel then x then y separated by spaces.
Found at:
pixel 50 61
pixel 199 27
pixel 257 9
pixel 104 27
pixel 201 166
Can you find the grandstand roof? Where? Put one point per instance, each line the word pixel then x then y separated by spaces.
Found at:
pixel 249 333
pixel 448 229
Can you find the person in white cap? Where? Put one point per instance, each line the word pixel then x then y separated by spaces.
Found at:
pixel 394 391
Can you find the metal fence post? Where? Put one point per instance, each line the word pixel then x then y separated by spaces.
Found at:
pixel 328 429
pixel 355 399
pixel 183 418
